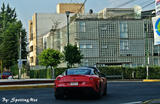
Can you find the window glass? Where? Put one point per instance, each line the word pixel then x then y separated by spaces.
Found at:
pixel 156 61
pixel 6 73
pixel 44 43
pixel 88 46
pixel 82 27
pixel 124 45
pixel 82 46
pixel 78 72
pixel 123 30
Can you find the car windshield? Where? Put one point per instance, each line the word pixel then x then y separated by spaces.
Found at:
pixel 78 72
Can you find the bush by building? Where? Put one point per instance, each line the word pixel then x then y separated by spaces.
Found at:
pixel 126 72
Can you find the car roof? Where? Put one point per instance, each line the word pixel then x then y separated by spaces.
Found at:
pixel 94 68
pixel 81 68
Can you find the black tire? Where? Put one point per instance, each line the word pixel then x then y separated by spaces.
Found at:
pixel 99 93
pixel 105 91
pixel 59 95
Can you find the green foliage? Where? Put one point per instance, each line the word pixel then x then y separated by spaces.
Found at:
pixel 43 73
pixel 14 69
pixel 132 73
pixel 10 46
pixel 127 72
pixel 59 71
pixel 50 57
pixel 72 55
pixel 10 29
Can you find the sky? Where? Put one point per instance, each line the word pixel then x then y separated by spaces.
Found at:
pixel 26 8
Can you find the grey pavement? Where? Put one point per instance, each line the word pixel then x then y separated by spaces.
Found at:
pixel 118 93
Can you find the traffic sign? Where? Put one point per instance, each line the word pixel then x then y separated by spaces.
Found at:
pixel 20 64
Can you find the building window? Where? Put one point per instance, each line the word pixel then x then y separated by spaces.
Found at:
pixel 86 62
pixel 123 30
pixel 124 45
pixel 156 51
pixel 155 61
pixel 31 37
pixel 31 48
pixel 88 46
pixel 44 43
pixel 82 46
pixel 31 59
pixel 82 27
pixel 104 46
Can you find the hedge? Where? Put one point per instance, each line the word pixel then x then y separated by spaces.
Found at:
pixel 46 73
pixel 127 72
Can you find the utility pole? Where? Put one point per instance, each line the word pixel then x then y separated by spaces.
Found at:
pixel 147 65
pixel 67 14
pixel 20 60
pixel 147 54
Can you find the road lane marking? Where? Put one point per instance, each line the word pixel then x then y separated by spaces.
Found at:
pixel 137 102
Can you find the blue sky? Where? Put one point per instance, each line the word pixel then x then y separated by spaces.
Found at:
pixel 26 8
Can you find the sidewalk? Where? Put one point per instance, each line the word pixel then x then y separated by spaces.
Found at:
pixel 14 84
pixel 28 86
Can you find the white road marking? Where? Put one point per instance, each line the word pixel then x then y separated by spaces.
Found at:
pixel 137 102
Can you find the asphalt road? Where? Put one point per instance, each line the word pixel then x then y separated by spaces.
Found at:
pixel 118 93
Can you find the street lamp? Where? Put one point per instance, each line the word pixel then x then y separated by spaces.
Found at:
pixel 67 14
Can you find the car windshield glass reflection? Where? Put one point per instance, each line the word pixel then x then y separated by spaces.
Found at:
pixel 78 72
pixel 6 73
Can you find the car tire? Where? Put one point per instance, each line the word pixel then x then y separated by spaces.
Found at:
pixel 105 91
pixel 59 95
pixel 99 93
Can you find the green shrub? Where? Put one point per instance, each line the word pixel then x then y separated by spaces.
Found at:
pixel 14 70
pixel 132 73
pixel 127 72
pixel 45 73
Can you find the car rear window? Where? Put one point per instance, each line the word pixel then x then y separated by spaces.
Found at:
pixel 6 73
pixel 78 72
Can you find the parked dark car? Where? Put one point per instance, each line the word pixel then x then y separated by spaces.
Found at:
pixel 6 75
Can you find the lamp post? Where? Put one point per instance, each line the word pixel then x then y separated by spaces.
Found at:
pixel 67 14
pixel 20 61
pixel 1 69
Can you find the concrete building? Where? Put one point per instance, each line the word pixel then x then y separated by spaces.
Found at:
pixel 42 23
pixel 110 36
pixel 72 7
pixel 103 38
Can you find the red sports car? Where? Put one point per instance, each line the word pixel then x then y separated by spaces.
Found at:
pixel 87 80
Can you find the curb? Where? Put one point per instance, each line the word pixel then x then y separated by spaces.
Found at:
pixel 29 86
pixel 151 80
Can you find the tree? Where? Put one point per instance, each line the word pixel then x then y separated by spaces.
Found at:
pixel 50 57
pixel 10 29
pixel 10 46
pixel 72 55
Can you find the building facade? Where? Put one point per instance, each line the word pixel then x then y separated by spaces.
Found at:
pixel 126 39
pixel 110 36
pixel 72 7
pixel 42 23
